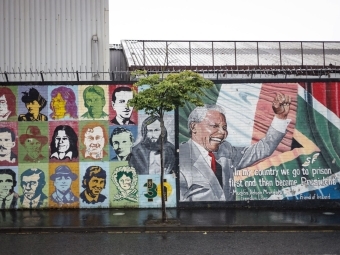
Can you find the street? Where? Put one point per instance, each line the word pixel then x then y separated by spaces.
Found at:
pixel 202 243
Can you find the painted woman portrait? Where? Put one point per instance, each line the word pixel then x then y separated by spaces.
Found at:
pixel 34 103
pixel 63 104
pixel 64 143
pixel 7 104
pixel 125 179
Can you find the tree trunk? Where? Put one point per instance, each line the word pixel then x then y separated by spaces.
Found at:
pixel 164 218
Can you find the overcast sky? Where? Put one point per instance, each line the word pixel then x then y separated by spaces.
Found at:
pixel 286 20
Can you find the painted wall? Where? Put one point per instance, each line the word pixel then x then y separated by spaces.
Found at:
pixel 258 156
pixel 82 147
pixel 65 146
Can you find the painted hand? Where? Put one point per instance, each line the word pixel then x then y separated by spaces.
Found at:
pixel 281 105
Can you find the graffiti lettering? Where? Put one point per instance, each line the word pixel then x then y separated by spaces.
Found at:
pixel 284 183
pixel 325 171
pixel 323 182
pixel 250 183
pixel 285 171
pixel 264 182
pixel 295 172
pixel 267 172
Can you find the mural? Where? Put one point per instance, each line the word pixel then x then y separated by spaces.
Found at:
pixel 64 185
pixel 150 190
pixel 8 103
pixel 8 144
pixel 8 188
pixel 33 186
pixel 95 185
pixel 260 142
pixel 35 102
pixel 120 113
pixel 83 147
pixel 94 140
pixel 94 98
pixel 63 102
pixel 121 141
pixel 33 142
pixel 145 155
pixel 125 180
pixel 64 141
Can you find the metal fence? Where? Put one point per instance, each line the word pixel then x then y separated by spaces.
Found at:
pixel 218 74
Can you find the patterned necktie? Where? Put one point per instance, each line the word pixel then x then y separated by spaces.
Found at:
pixel 213 161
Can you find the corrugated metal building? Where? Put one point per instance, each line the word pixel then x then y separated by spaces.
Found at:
pixel 215 54
pixel 54 36
pixel 221 60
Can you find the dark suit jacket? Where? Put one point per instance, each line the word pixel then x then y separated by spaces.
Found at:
pixel 41 200
pixel 115 158
pixel 101 198
pixel 140 157
pixel 114 121
pixel 14 201
pixel 29 117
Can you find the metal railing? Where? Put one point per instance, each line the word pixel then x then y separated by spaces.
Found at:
pixel 220 74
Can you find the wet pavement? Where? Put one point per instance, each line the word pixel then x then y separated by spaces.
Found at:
pixel 144 220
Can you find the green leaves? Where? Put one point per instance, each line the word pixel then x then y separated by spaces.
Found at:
pixel 168 94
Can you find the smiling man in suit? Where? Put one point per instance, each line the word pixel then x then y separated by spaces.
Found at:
pixel 207 161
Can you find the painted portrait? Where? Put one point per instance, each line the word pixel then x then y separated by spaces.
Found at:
pixel 8 144
pixel 145 154
pixel 64 185
pixel 93 102
pixel 33 186
pixel 8 188
pixel 63 102
pixel 94 140
pixel 8 103
pixel 63 141
pixel 32 103
pixel 121 141
pixel 125 179
pixel 241 127
pixel 33 142
pixel 94 185
pixel 120 112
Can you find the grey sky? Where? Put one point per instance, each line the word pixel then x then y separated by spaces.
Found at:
pixel 287 20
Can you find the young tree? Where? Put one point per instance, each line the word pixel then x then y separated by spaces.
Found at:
pixel 165 95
